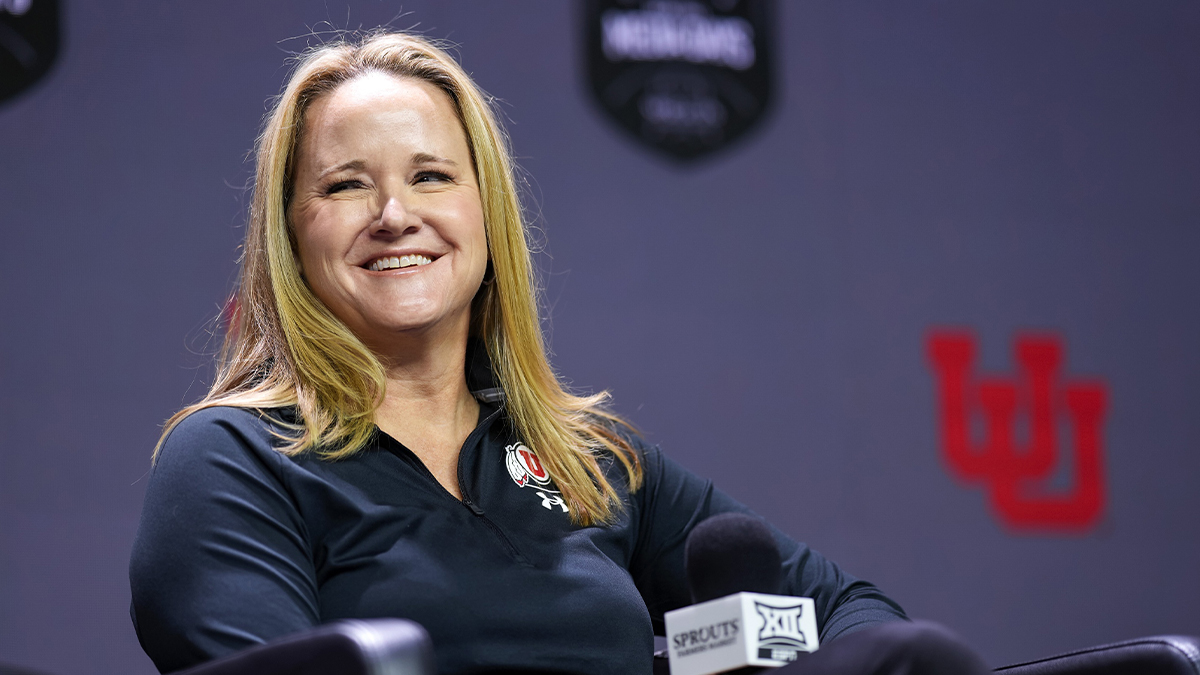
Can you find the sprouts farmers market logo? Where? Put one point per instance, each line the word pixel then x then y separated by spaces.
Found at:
pixel 712 636
pixel 1036 400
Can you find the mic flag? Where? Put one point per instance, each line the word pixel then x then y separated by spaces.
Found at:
pixel 739 630
pixel 735 574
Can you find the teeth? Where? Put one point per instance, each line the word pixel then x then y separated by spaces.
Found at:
pixel 403 261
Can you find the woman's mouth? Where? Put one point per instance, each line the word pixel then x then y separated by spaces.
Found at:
pixel 399 263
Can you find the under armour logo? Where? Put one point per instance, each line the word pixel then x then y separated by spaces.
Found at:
pixel 550 501
pixel 1010 471
pixel 781 626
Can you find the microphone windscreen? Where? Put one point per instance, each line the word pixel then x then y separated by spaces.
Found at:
pixel 730 553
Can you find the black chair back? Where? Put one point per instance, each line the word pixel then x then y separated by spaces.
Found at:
pixel 1162 655
pixel 369 647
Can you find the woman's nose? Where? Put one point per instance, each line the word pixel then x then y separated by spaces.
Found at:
pixel 397 217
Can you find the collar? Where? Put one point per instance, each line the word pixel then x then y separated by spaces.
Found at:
pixel 480 380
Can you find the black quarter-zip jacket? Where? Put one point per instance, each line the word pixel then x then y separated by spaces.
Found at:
pixel 240 544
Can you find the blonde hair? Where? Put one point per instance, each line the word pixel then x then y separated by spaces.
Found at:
pixel 283 347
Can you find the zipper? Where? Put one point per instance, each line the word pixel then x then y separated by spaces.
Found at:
pixel 475 509
pixel 466 500
pixel 500 536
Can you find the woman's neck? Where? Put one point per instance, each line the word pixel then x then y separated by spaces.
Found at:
pixel 428 407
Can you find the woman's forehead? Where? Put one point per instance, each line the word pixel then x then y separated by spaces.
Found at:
pixel 385 112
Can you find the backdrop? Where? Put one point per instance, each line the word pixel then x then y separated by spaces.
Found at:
pixel 764 314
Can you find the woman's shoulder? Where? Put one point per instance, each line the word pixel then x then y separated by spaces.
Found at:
pixel 226 431
pixel 635 440
pixel 646 455
pixel 616 427
pixel 211 418
pixel 657 467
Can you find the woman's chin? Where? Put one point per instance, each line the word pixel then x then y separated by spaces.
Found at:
pixel 403 331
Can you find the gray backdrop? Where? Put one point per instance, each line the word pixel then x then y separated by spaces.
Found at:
pixel 998 166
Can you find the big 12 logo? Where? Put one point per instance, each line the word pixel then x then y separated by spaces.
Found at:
pixel 1012 473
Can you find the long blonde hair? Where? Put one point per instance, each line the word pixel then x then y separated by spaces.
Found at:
pixel 283 347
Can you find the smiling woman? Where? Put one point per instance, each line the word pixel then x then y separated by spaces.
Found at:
pixel 385 436
pixel 345 346
pixel 383 174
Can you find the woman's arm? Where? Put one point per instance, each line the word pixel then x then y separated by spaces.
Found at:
pixel 673 501
pixel 221 560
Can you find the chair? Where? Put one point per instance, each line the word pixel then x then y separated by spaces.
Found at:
pixel 1162 655
pixel 375 647
pixel 399 647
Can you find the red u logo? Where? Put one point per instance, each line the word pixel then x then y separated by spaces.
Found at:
pixel 532 465
pixel 1011 472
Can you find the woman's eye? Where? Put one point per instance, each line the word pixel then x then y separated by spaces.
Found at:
pixel 342 185
pixel 431 177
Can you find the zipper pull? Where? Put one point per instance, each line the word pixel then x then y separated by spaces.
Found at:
pixel 473 506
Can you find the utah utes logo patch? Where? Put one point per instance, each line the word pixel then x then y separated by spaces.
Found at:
pixel 524 466
pixel 525 469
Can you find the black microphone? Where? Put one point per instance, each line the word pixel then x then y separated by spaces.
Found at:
pixel 735 575
pixel 731 553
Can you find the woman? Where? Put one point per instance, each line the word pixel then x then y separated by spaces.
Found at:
pixel 385 436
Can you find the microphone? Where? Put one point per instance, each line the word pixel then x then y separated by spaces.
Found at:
pixel 735 575
pixel 730 553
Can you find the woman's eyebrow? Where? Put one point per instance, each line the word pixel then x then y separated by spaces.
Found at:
pixel 352 165
pixel 359 165
pixel 426 158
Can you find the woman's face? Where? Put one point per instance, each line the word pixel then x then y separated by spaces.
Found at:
pixel 386 209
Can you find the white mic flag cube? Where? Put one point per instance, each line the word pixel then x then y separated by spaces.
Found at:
pixel 743 629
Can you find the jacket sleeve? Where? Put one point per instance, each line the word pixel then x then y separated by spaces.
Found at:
pixel 221 560
pixel 673 501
